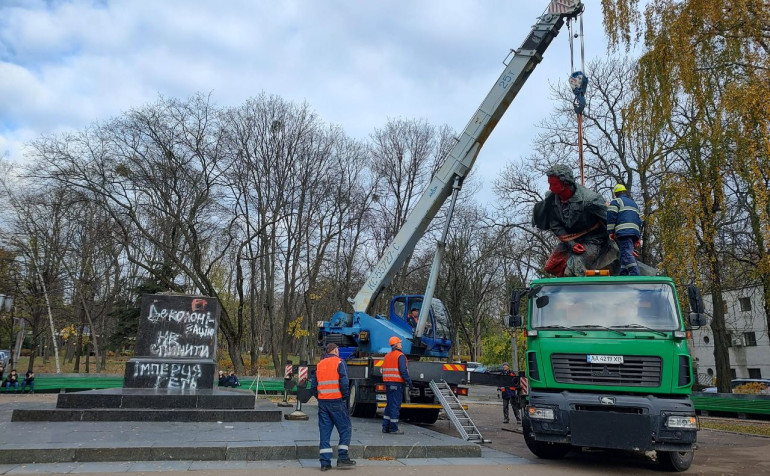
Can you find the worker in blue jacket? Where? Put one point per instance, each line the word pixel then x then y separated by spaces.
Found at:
pixel 331 387
pixel 624 224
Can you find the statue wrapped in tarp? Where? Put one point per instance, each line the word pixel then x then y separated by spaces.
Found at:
pixel 578 217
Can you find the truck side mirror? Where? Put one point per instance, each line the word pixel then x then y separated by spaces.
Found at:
pixel 696 301
pixel 514 320
pixel 697 314
pixel 697 319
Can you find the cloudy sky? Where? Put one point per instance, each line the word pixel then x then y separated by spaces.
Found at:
pixel 67 63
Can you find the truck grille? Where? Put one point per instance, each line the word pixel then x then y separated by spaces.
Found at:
pixel 635 371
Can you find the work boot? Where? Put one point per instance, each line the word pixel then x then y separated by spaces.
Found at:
pixel 396 432
pixel 325 468
pixel 505 421
pixel 345 463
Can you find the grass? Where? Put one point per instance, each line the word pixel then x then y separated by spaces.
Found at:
pixel 744 427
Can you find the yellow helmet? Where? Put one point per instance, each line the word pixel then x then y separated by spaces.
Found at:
pixel 619 188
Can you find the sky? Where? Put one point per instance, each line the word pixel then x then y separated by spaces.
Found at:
pixel 65 64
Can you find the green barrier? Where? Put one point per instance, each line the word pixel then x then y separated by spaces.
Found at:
pixel 732 403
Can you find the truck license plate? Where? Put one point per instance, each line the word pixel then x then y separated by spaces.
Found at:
pixel 383 398
pixel 604 359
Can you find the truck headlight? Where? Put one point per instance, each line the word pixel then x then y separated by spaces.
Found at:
pixel 682 422
pixel 540 413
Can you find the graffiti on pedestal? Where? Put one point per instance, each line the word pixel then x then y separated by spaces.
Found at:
pixel 176 344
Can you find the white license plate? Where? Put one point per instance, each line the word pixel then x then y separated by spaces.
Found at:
pixel 604 359
pixel 381 397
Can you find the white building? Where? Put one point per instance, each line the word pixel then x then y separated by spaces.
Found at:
pixel 747 329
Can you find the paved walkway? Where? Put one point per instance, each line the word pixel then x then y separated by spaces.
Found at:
pixel 100 447
pixel 488 457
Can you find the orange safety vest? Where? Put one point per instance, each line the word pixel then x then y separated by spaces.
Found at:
pixel 328 378
pixel 512 389
pixel 390 371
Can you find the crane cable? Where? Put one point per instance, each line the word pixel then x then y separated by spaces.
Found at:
pixel 578 82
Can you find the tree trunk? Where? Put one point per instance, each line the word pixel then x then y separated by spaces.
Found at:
pixel 78 350
pixel 721 336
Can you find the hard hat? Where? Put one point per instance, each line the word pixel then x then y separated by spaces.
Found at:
pixel 619 188
pixel 394 340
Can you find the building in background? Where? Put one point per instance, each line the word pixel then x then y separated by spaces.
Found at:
pixel 748 337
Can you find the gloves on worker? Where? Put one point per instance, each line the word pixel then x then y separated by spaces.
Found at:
pixel 638 243
pixel 612 236
pixel 578 249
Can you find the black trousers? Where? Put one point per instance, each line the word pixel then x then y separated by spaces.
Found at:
pixel 515 403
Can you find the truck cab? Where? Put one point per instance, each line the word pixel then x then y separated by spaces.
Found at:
pixel 359 333
pixel 436 338
pixel 608 367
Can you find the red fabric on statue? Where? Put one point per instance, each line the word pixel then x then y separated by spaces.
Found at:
pixel 559 188
pixel 557 262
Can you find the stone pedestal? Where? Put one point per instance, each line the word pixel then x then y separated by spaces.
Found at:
pixel 169 374
pixel 172 376
pixel 176 344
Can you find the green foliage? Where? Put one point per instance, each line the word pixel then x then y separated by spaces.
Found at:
pixel 497 347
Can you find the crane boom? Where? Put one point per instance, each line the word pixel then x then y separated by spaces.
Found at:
pixel 463 155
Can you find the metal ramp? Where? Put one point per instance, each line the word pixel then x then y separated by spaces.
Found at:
pixel 457 414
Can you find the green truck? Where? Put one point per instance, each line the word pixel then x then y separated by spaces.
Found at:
pixel 608 366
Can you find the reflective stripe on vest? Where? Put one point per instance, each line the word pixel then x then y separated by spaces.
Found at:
pixel 390 371
pixel 328 378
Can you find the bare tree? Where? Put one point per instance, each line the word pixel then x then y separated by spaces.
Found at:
pixel 157 173
pixel 473 281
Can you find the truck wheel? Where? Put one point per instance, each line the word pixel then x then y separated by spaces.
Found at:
pixel 356 407
pixel 542 449
pixel 676 461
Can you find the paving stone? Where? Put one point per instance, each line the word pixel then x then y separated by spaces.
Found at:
pixel 269 442
pixel 260 450
pixel 160 466
pixel 102 467
pixel 43 468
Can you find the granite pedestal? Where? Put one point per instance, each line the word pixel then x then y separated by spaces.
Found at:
pixel 170 379
pixel 131 404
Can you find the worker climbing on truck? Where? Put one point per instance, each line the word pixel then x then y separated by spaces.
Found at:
pixel 624 225
pixel 578 217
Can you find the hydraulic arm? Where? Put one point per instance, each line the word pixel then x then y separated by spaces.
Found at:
pixel 462 156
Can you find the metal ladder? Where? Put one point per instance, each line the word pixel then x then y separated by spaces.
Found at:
pixel 457 414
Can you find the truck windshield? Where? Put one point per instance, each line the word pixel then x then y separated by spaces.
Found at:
pixel 616 305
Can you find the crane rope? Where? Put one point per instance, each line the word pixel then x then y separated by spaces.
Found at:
pixel 578 82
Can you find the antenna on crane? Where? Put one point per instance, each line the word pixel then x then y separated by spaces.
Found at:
pixel 578 82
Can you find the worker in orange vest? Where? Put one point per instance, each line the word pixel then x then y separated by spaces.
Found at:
pixel 331 387
pixel 395 373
